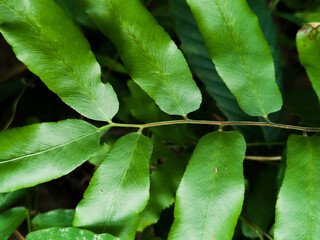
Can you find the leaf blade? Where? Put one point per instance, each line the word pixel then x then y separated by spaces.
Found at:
pixel 200 61
pixel 54 218
pixel 54 49
pixel 133 29
pixel 67 234
pixel 6 199
pixel 10 221
pixel 297 209
pixel 308 39
pixel 204 209
pixel 247 67
pixel 49 149
pixel 127 164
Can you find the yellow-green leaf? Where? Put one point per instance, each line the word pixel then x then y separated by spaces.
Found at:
pixel 41 152
pixel 240 53
pixel 210 196
pixel 119 189
pixel 153 60
pixel 298 206
pixel 53 48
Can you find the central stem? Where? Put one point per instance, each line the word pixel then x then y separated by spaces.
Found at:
pixel 217 123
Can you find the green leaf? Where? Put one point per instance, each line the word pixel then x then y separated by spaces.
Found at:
pixel 260 8
pixel 112 64
pixel 52 47
pixel 101 155
pixel 10 221
pixel 308 40
pixel 200 61
pixel 41 152
pixel 54 218
pixel 240 52
pixel 164 181
pixel 153 60
pixel 67 234
pixel 210 196
pixel 264 14
pixel 298 206
pixel 6 199
pixel 143 108
pixel 309 15
pixel 119 189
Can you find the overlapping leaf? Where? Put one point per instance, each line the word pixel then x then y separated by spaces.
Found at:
pixel 308 44
pixel 41 152
pixel 241 54
pixel 54 218
pixel 151 57
pixel 6 199
pixel 200 61
pixel 264 14
pixel 143 108
pixel 10 221
pixel 74 10
pixel 119 190
pixel 210 195
pixel 298 206
pixel 164 181
pixel 54 49
pixel 67 234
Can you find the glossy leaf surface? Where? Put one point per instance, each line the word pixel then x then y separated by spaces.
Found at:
pixel 240 53
pixel 201 63
pixel 54 218
pixel 210 195
pixel 10 221
pixel 119 189
pixel 298 206
pixel 53 48
pixel 151 57
pixel 41 152
pixel 308 44
pixel 67 234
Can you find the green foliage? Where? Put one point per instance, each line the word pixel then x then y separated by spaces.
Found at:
pixel 297 207
pixel 247 67
pixel 8 198
pixel 308 39
pixel 55 218
pixel 164 181
pixel 148 53
pixel 66 66
pixel 212 210
pixel 119 189
pixel 67 234
pixel 138 151
pixel 53 150
pixel 10 221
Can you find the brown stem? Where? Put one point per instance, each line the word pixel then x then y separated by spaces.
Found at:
pixel 217 123
pixel 263 158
